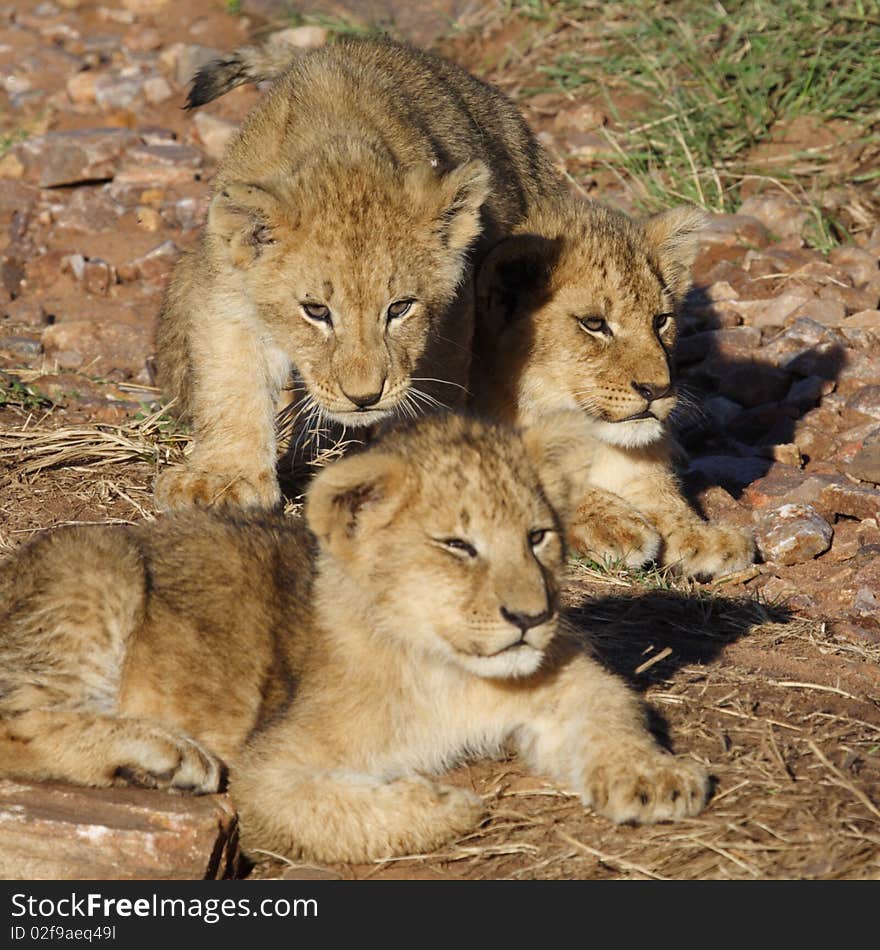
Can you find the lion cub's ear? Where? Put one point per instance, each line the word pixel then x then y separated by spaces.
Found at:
pixel 452 200
pixel 514 278
pixel 245 218
pixel 561 447
pixel 674 235
pixel 354 496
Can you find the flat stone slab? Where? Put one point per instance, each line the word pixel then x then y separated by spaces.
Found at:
pixel 51 831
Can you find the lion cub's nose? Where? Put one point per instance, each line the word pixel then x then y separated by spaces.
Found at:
pixel 651 391
pixel 365 401
pixel 526 621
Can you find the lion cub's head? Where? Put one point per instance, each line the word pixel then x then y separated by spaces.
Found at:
pixel 442 539
pixel 581 314
pixel 352 265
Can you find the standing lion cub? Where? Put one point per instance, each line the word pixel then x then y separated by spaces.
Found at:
pixel 331 672
pixel 337 249
pixel 577 314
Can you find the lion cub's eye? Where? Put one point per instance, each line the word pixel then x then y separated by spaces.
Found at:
pixel 660 321
pixel 459 546
pixel 537 536
pixel 595 325
pixel 400 308
pixel 318 312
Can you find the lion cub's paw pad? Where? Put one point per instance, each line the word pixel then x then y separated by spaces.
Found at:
pixel 184 487
pixel 655 788
pixel 166 760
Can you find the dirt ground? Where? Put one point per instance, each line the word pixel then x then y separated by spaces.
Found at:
pixel 772 677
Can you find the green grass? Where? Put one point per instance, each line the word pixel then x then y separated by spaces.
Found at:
pixel 716 79
pixel 15 393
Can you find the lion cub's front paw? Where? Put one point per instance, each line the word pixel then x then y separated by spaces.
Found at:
pixel 708 550
pixel 647 788
pixel 183 487
pixel 155 757
pixel 618 535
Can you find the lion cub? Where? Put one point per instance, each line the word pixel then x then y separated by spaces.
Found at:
pixel 577 314
pixel 331 672
pixel 336 253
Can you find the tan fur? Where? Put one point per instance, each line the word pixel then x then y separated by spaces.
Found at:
pixel 577 262
pixel 364 180
pixel 332 673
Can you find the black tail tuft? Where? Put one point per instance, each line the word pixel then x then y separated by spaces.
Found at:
pixel 215 79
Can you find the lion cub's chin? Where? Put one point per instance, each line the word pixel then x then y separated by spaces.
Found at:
pixel 630 435
pixel 362 419
pixel 513 663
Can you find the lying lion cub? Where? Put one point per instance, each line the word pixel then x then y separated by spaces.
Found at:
pixel 577 314
pixel 337 249
pixel 419 625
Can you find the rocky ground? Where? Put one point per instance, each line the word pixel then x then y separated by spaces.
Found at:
pixel 770 676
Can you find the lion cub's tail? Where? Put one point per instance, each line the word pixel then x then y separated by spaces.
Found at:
pixel 246 64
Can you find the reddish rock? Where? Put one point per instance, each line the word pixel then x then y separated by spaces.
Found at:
pixel 865 400
pixel 860 264
pixel 770 311
pixel 855 501
pixel 828 313
pixel 68 158
pixel 792 534
pixel 853 299
pixel 100 348
pixel 155 265
pixel 785 483
pixel 731 229
pixel 214 133
pixel 779 214
pixel 864 318
pixel 865 464
pixel 51 831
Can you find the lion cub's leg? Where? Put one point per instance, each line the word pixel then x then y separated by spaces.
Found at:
pixel 289 807
pixel 606 528
pixel 89 748
pixel 236 381
pixel 588 731
pixel 69 605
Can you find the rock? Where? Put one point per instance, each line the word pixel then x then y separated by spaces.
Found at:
pixel 117 92
pixel 70 158
pixel 143 40
pixel 771 311
pixel 103 348
pixel 584 117
pixel 730 471
pixel 780 215
pixel 722 410
pixel 853 299
pixel 860 264
pixel 299 37
pixel 215 133
pixel 792 534
pixel 787 483
pixel 786 452
pixel 806 393
pixel 828 313
pixel 732 229
pixel 865 465
pixel 51 831
pixel 154 265
pixel 866 400
pixel 81 88
pixel 854 501
pixel 731 342
pixel 865 318
pixel 156 89
pixel 750 383
pixel 145 7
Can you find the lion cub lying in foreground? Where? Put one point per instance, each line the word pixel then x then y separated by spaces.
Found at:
pixel 577 314
pixel 418 626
